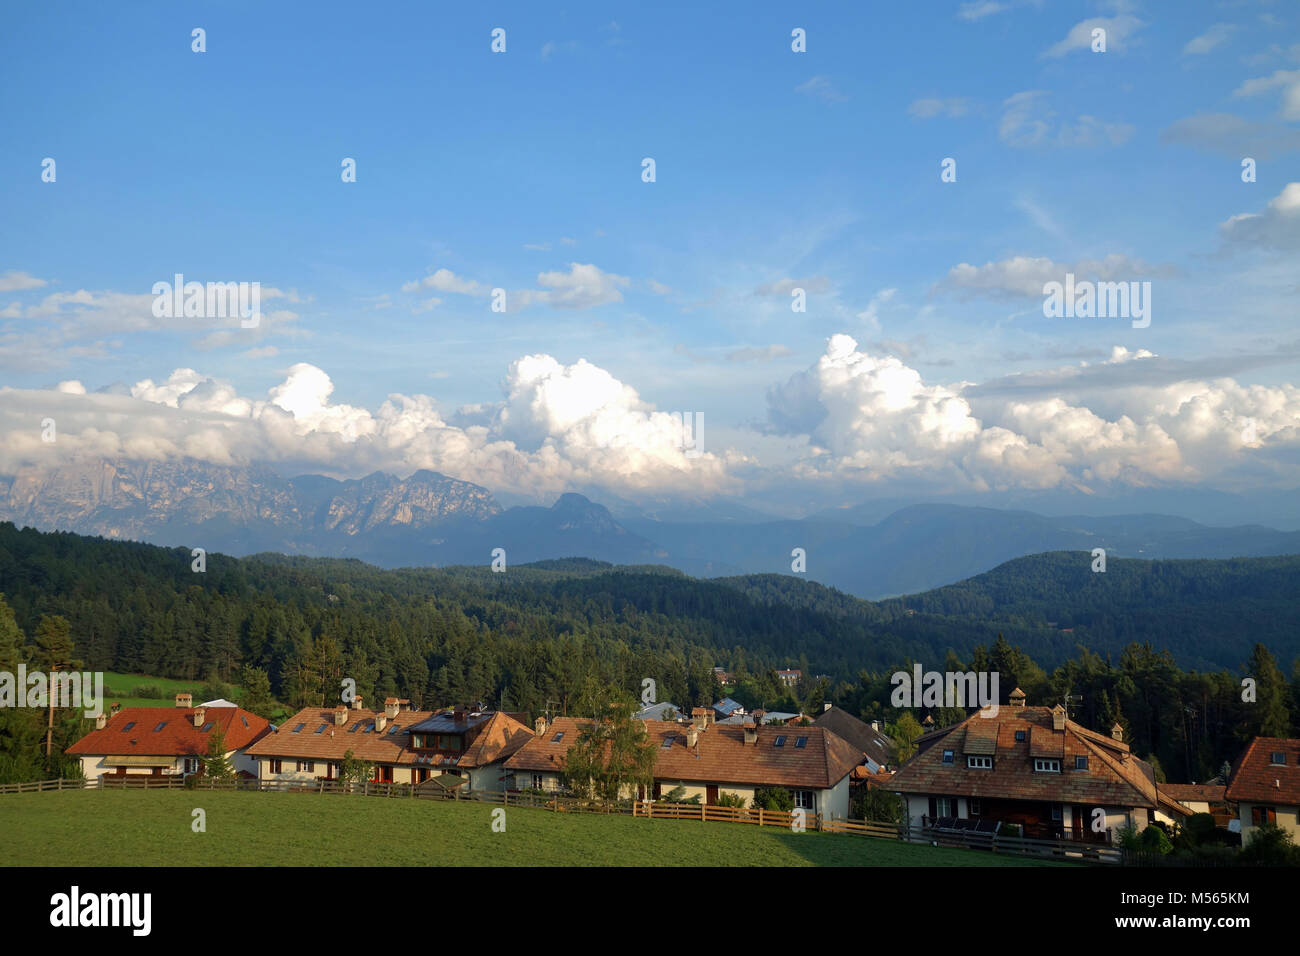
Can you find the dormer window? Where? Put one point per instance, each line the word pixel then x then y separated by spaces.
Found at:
pixel 1046 765
pixel 1277 759
pixel 1020 736
pixel 1081 763
pixel 979 763
pixel 948 756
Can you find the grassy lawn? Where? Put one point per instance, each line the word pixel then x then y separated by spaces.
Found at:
pixel 118 687
pixel 136 827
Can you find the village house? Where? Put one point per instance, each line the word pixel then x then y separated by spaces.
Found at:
pixel 866 737
pixel 789 677
pixel 1033 767
pixel 1197 798
pixel 402 745
pixel 162 741
pixel 708 759
pixel 1265 785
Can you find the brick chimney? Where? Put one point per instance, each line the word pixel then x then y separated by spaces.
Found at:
pixel 356 703
pixel 117 705
pixel 198 716
pixel 1117 732
pixel 1058 718
pixel 751 733
pixel 539 726
pixel 184 699
pixel 458 715
pixel 381 721
pixel 100 720
pixel 1017 698
pixel 392 706
pixel 340 716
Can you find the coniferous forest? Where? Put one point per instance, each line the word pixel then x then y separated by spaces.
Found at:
pixel 1161 647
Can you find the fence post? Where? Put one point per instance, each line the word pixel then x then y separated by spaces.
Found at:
pixel 760 816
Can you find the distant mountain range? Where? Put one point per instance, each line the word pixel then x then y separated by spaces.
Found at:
pixel 431 519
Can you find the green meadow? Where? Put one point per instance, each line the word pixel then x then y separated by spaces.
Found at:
pixel 154 828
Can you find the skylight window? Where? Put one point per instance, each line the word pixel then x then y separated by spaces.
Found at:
pixel 321 728
pixel 160 726
pixel 1278 759
pixel 947 756
pixel 1020 736
pixel 801 742
pixel 558 737
pixel 299 728
pixel 394 729
pixel 244 719
pixel 129 725
pixel 353 728
pixel 668 742
pixel 206 727
pixel 779 742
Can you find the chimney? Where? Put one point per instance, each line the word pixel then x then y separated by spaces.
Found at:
pixel 117 705
pixel 927 725
pixel 458 715
pixel 1117 732
pixel 391 707
pixel 1017 698
pixel 100 721
pixel 539 726
pixel 826 707
pixel 1058 718
pixel 751 733
pixel 184 699
pixel 340 716
pixel 692 736
pixel 875 725
pixel 356 703
pixel 381 721
pixel 198 716
pixel 701 715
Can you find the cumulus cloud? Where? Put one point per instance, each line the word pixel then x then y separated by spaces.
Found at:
pixel 584 286
pixel 979 9
pixel 444 280
pixel 1028 121
pixel 873 418
pixel 556 427
pixel 1024 276
pixel 1276 227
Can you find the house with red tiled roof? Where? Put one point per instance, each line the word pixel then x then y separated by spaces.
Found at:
pixel 1265 784
pixel 1032 767
pixel 161 742
pixel 1197 798
pixel 402 745
pixel 708 759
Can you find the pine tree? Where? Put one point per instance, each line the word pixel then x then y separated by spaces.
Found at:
pixel 215 764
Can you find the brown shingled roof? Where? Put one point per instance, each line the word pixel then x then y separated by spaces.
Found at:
pixel 178 736
pixel 1256 779
pixel 720 754
pixel 1114 776
pixel 389 746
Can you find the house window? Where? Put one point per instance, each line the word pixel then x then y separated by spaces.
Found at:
pixel 801 742
pixel 1081 763
pixel 558 737
pixel 191 764
pixel 537 781
pixel 779 742
pixel 974 807
pixel 945 806
pixel 306 766
pixel 979 763
pixel 1278 759
pixel 1262 815
pixel 1056 812
pixel 1020 736
pixel 803 799
pixel 668 742
pixel 1044 765
pixel 947 756
pixel 275 765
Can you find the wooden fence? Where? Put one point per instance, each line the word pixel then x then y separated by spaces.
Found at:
pixel 655 810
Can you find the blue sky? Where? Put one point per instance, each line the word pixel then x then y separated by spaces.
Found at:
pixel 522 171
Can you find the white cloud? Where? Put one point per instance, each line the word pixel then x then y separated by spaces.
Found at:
pixel 13 281
pixel 1022 276
pixel 1207 41
pixel 1118 31
pixel 444 280
pixel 1027 121
pixel 584 286
pixel 822 88
pixel 978 9
pixel 1276 227
pixel 1286 80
